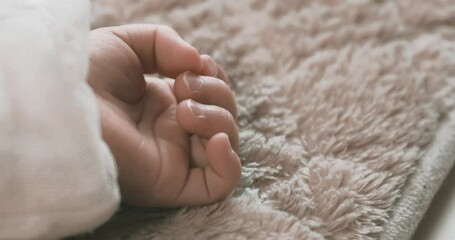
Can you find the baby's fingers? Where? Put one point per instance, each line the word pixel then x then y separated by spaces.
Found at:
pixel 206 90
pixel 207 120
pixel 212 69
pixel 216 181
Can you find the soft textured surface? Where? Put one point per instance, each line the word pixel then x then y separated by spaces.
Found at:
pixel 337 102
pixel 57 177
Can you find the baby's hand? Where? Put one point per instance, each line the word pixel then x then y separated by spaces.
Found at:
pixel 174 141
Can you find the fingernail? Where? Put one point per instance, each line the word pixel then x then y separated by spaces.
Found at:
pixel 198 110
pixel 213 67
pixel 193 81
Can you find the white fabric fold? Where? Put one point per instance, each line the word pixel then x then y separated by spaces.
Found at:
pixel 57 176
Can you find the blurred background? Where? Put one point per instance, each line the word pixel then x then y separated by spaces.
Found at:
pixel 439 221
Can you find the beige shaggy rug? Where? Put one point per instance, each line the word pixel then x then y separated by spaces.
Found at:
pixel 338 103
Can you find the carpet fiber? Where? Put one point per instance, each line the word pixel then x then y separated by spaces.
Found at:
pixel 338 101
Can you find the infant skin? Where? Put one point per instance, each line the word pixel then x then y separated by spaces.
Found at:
pixel 174 139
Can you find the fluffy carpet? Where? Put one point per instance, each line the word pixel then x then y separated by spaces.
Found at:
pixel 338 101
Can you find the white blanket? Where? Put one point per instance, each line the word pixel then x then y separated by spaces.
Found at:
pixel 57 176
